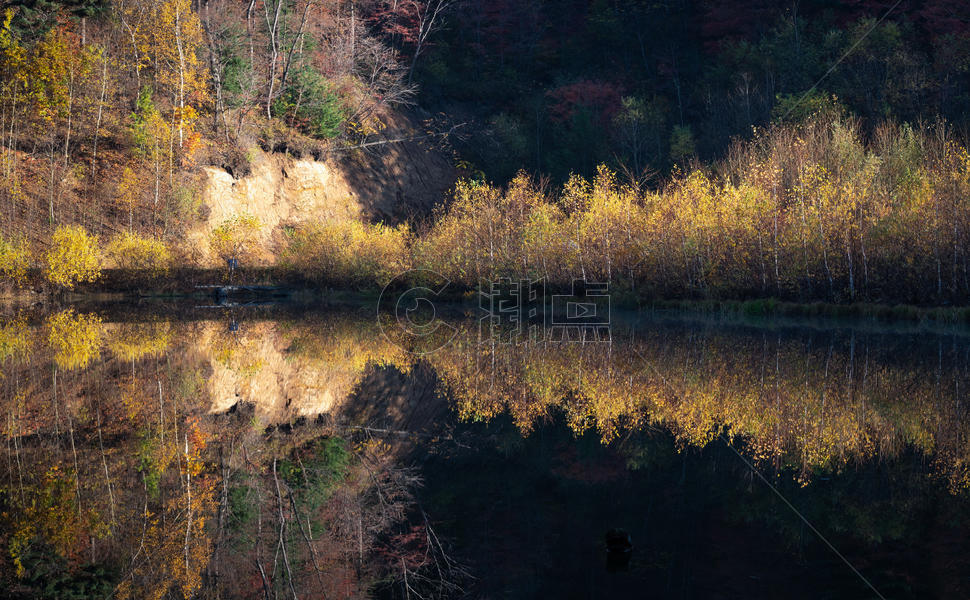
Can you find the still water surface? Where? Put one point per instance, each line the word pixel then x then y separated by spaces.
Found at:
pixel 283 453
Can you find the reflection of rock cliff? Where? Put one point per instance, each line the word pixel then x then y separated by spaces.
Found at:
pixel 287 373
pixel 253 367
pixel 396 180
pixel 392 400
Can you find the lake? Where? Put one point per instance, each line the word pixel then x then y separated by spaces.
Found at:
pixel 168 450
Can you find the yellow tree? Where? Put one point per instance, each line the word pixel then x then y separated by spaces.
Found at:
pixel 129 190
pixel 73 257
pixel 133 252
pixel 178 39
pixel 236 238
pixel 13 63
pixel 57 64
pixel 14 259
pixel 167 37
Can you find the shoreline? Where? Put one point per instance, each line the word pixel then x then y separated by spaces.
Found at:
pixel 285 288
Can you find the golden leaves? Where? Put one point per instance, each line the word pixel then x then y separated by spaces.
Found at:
pixel 134 341
pixel 349 251
pixel 236 238
pixel 131 251
pixel 14 339
pixel 810 407
pixel 14 259
pixel 75 338
pixel 73 257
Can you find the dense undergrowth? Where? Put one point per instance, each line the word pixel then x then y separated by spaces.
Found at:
pixel 800 213
pixel 809 213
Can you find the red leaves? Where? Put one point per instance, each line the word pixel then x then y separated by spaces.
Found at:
pixel 410 547
pixel 400 19
pixel 600 97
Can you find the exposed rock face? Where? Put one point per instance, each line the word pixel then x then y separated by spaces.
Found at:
pixel 279 191
pixel 395 181
pixel 400 179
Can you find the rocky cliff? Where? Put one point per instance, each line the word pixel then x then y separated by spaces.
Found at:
pixel 389 182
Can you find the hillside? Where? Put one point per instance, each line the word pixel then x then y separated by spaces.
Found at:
pixel 146 138
pixel 150 120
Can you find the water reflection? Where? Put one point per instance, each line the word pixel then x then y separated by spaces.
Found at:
pixel 282 455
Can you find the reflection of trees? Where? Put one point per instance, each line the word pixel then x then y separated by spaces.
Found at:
pixel 322 517
pixel 346 345
pixel 14 341
pixel 118 480
pixel 118 461
pixel 75 338
pixel 106 465
pixel 815 401
pixel 132 341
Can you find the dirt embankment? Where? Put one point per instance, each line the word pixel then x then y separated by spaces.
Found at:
pixel 388 182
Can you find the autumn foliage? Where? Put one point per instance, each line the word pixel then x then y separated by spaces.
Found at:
pixel 348 252
pixel 74 257
pixel 809 212
pixel 133 252
pixel 236 238
pixel 143 463
pixel 15 259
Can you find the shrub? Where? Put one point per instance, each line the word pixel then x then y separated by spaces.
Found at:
pixel 236 238
pixel 349 251
pixel 185 201
pixel 311 105
pixel 14 259
pixel 73 257
pixel 133 252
